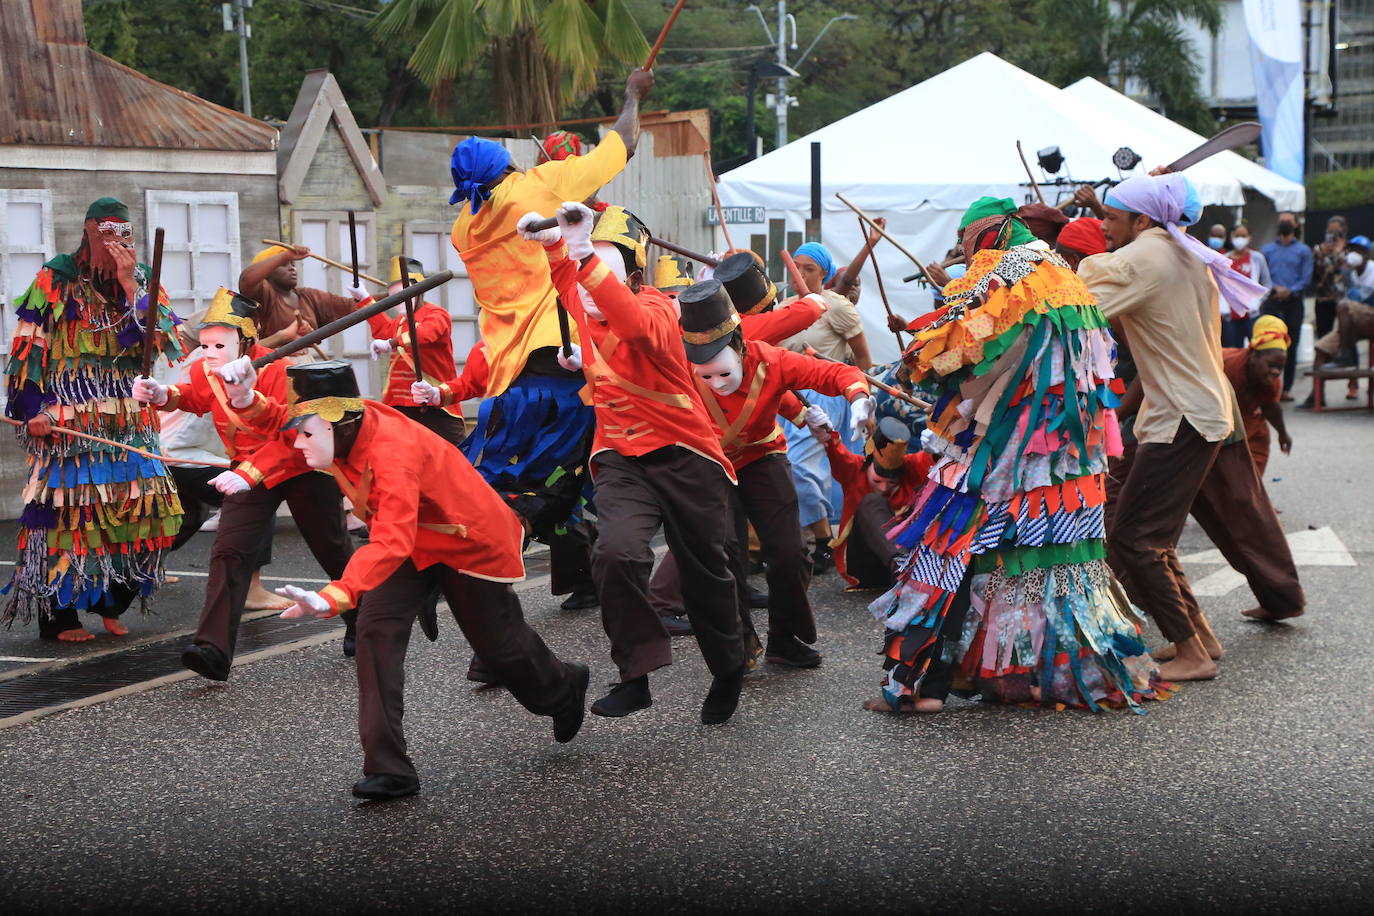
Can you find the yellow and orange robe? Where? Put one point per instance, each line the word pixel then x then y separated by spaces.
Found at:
pixel 1021 361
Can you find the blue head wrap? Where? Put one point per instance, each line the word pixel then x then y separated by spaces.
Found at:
pixel 476 162
pixel 818 253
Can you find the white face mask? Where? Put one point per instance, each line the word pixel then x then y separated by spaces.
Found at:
pixel 221 345
pixel 1354 259
pixel 1241 243
pixel 723 373
pixel 315 439
pixel 610 256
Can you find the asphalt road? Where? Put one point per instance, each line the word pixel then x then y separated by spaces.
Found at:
pixel 1252 792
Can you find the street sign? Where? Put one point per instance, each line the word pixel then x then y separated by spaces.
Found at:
pixel 733 215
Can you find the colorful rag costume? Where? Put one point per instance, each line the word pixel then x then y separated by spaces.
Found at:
pixel 1021 361
pixel 96 518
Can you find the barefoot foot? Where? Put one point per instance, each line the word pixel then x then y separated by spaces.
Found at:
pixel 1188 669
pixel 906 705
pixel 170 579
pixel 1259 613
pixel 76 635
pixel 114 627
pixel 260 599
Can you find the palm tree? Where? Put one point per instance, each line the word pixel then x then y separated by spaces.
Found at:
pixel 543 54
pixel 1141 41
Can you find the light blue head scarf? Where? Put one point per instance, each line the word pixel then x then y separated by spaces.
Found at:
pixel 818 253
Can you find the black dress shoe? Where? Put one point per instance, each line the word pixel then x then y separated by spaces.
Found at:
pixel 350 640
pixel 722 698
pixel 385 786
pixel 758 599
pixel 567 723
pixel 580 601
pixel 481 673
pixel 625 698
pixel 792 652
pixel 677 626
pixel 822 559
pixel 207 661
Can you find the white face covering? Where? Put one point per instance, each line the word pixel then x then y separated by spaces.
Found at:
pixel 315 439
pixel 610 256
pixel 221 345
pixel 723 374
pixel 1354 259
pixel 1240 243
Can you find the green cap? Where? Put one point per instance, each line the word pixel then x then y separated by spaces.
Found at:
pixel 108 208
pixel 988 206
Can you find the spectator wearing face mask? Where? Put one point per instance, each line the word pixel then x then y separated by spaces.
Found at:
pixel 1328 268
pixel 1290 267
pixel 1354 313
pixel 1236 331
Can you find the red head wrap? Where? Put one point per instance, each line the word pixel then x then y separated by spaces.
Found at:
pixel 1083 235
pixel 561 144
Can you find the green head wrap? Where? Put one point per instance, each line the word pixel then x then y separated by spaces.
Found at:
pixel 108 208
pixel 984 207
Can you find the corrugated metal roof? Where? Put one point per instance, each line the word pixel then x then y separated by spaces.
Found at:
pixel 61 93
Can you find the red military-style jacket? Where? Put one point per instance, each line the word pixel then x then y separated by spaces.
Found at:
pixel 260 456
pixel 747 421
pixel 784 321
pixel 642 386
pixel 472 383
pixel 390 477
pixel 848 468
pixel 434 327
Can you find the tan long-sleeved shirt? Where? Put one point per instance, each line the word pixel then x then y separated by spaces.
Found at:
pixel 1166 300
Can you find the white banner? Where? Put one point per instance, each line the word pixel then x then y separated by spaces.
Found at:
pixel 1275 28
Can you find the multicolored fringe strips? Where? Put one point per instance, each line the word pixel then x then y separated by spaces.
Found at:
pixel 1020 360
pixel 95 515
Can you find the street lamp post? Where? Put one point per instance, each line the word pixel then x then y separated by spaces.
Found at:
pixel 781 100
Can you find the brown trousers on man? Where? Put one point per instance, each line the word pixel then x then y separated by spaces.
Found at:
pixel 490 617
pixel 245 518
pixel 766 498
pixel 1158 487
pixel 688 496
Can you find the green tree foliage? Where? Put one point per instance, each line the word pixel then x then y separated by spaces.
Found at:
pixel 1334 190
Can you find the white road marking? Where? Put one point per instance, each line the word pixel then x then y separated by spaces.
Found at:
pixel 1313 547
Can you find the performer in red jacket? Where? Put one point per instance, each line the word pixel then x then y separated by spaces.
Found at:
pixel 876 487
pixel 743 384
pixel 459 539
pixel 655 461
pixel 266 472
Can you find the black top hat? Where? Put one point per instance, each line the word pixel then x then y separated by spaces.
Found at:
pixel 749 287
pixel 329 389
pixel 708 320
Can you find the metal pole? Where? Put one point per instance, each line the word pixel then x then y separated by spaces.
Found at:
pixel 243 56
pixel 781 99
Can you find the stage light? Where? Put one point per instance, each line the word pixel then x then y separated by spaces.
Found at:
pixel 1051 160
pixel 1125 159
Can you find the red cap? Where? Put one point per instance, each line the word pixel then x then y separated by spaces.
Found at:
pixel 1083 235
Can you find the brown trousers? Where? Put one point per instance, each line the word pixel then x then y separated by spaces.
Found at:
pixel 687 495
pixel 440 422
pixel 317 506
pixel 767 498
pixel 491 619
pixel 1157 487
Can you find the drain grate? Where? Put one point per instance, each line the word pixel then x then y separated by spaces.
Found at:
pixel 83 680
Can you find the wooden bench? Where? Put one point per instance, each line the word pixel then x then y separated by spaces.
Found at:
pixel 1321 376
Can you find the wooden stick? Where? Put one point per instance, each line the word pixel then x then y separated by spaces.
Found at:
pixel 897 393
pixel 715 196
pixel 1026 165
pixel 685 252
pixel 881 291
pixel 154 310
pixel 895 244
pixel 355 317
pixel 353 244
pixel 414 333
pixel 663 34
pixel 330 261
pixel 539 145
pixel 128 448
pixel 794 273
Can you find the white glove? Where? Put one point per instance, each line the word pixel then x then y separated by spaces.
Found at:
pixel 573 362
pixel 928 439
pixel 358 293
pixel 379 347
pixel 423 392
pixel 818 423
pixel 149 391
pixel 860 412
pixel 239 378
pixel 578 235
pixel 305 601
pixel 543 236
pixel 706 271
pixel 229 483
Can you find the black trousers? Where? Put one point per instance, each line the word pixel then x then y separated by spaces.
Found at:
pixel 436 420
pixel 1292 311
pixel 1324 318
pixel 868 553
pixel 940 675
pixel 491 619
pixel 196 493
pixel 688 496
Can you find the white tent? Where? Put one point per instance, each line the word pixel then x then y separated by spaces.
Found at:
pixel 1285 193
pixel 921 156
